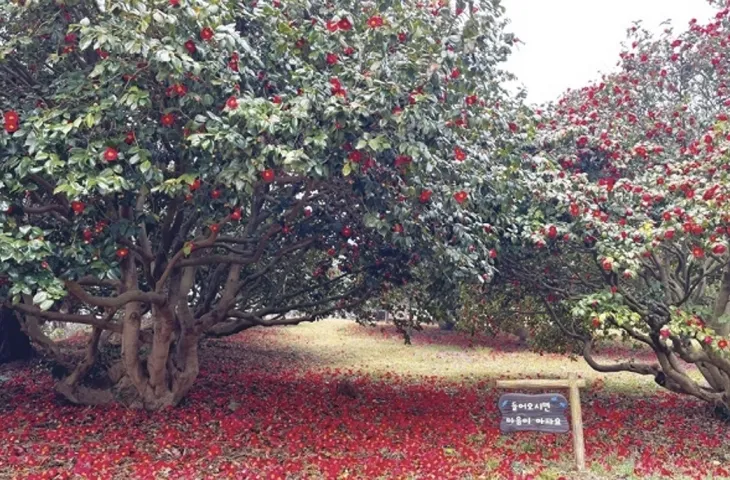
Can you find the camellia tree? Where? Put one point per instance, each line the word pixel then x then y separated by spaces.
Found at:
pixel 171 169
pixel 621 220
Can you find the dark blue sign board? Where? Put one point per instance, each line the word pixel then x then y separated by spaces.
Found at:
pixel 536 413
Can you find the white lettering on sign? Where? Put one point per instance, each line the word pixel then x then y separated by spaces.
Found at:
pixel 541 407
pixel 520 420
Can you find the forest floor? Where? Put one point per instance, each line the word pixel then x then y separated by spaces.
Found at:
pixel 335 400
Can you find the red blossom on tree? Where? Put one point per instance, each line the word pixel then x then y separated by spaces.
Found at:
pixel 268 175
pixel 206 34
pixel 191 47
pixel 375 21
pixel 111 154
pixel 167 120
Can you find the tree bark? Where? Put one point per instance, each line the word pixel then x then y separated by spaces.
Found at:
pixel 722 305
pixel 14 343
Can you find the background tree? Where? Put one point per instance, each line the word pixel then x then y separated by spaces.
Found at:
pixel 213 166
pixel 622 222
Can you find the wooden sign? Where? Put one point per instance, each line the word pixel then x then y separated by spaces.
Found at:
pixel 537 413
pixel 573 383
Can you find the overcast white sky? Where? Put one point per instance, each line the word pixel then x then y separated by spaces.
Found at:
pixel 568 42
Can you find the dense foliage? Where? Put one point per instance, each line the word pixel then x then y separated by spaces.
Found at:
pixel 176 168
pixel 621 225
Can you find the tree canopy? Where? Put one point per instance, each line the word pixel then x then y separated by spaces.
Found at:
pixel 217 165
pixel 621 223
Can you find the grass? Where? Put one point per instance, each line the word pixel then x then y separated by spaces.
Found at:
pixel 379 350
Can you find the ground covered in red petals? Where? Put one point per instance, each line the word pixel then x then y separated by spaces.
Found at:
pixel 278 403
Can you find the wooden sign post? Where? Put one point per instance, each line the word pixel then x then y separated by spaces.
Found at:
pixel 544 413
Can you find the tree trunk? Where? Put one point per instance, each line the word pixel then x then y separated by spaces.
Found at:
pixel 14 343
pixel 153 382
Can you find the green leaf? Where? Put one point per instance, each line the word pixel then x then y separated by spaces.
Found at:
pixel 163 56
pixel 46 304
pixel 40 297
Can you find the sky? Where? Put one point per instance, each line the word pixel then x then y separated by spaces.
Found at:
pixel 568 42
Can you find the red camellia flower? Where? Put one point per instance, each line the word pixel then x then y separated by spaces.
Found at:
pixel 11 119
pixel 11 116
pixel 708 340
pixel 425 196
pixel 332 59
pixel 268 175
pixel 698 252
pixel 459 154
pixel 179 89
pixel 460 196
pixel 492 253
pixel 574 209
pixel 232 103
pixel 236 214
pixel 552 231
pixel 233 62
pixel 168 120
pixel 87 235
pixel 206 34
pixel 195 185
pixel 190 47
pixel 722 344
pixel 78 207
pixel 348 51
pixel 122 252
pixel 174 3
pixel 355 156
pixel 337 87
pixel 664 333
pixel 110 154
pixel 215 228
pixel 346 231
pixel 402 37
pixel 719 249
pixel 344 24
pixel 215 194
pixel 607 265
pixel 331 25
pixel 398 228
pixel 129 138
pixel 375 21
pixel 402 161
pixel 455 73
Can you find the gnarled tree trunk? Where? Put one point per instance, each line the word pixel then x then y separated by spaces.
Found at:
pixel 14 343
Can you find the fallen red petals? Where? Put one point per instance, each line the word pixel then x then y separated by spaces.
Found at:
pixel 263 409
